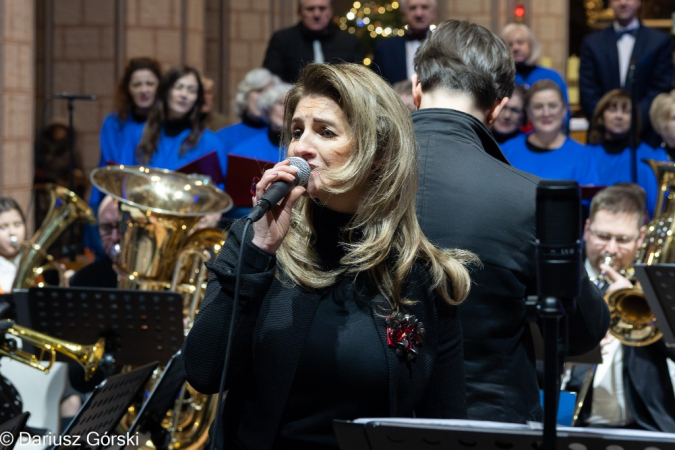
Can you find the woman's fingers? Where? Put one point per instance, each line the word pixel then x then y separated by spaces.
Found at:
pixel 280 172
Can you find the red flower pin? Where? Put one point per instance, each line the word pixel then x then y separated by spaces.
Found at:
pixel 404 333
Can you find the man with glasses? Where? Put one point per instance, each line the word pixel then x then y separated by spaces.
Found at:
pixel 632 388
pixel 100 273
pixel 613 232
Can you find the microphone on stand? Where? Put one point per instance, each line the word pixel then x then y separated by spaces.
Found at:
pixel 67 96
pixel 559 241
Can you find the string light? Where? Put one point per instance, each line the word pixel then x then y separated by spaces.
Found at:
pixel 371 21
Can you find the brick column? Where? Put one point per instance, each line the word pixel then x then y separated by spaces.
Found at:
pixel 17 89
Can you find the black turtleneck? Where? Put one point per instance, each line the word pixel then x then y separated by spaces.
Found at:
pixel 253 123
pixel 524 69
pixel 615 146
pixel 274 136
pixel 175 127
pixel 342 372
pixel 138 117
pixel 503 137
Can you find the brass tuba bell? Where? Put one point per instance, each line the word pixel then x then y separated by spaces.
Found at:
pixel 159 250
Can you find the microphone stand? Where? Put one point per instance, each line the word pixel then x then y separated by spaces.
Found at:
pixel 633 143
pixel 70 247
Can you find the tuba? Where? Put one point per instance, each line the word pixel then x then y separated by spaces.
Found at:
pixel 631 319
pixel 65 208
pixel 159 250
pixel 87 356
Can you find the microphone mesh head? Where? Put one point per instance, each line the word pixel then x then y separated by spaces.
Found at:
pixel 303 170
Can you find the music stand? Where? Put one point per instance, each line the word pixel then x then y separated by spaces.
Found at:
pixel 658 284
pixel 13 427
pixel 139 326
pixel 104 409
pixel 161 399
pixel 393 434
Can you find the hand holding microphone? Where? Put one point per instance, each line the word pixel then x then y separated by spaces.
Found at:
pixel 285 182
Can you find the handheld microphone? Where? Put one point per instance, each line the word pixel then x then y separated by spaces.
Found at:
pixel 74 96
pixel 559 241
pixel 280 189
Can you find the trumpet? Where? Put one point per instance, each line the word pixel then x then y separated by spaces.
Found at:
pixel 88 357
pixel 631 320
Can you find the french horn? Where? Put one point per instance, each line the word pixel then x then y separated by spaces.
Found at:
pixel 65 208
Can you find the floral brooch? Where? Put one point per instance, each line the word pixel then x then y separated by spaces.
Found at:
pixel 404 333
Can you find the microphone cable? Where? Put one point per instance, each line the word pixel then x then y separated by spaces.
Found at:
pixel 235 305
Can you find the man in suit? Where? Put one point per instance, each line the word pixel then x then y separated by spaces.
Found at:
pixel 314 39
pixel 629 56
pixel 393 57
pixel 471 198
pixel 632 388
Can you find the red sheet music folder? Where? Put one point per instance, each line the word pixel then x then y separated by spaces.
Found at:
pixel 240 173
pixel 205 165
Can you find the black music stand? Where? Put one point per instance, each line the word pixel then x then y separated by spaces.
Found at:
pixel 12 428
pixel 161 399
pixel 104 409
pixel 139 326
pixel 381 434
pixel 658 284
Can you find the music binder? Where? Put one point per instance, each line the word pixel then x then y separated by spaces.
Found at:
pixel 241 171
pixel 139 326
pixel 429 434
pixel 658 285
pixel 161 399
pixel 12 428
pixel 94 424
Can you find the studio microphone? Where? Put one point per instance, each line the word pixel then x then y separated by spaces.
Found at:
pixel 68 96
pixel 280 189
pixel 558 242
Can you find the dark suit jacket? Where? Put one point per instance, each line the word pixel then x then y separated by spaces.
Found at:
pixel 599 69
pixel 290 49
pixel 647 383
pixel 389 59
pixel 271 327
pixel 470 198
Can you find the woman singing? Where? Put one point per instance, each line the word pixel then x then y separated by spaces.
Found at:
pixel 325 273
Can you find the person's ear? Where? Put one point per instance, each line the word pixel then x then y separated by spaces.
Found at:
pixel 416 90
pixel 643 231
pixel 493 112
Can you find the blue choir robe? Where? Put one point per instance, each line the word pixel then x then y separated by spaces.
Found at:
pixel 607 169
pixel 568 162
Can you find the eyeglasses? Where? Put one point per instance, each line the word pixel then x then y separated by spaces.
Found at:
pixel 607 237
pixel 107 228
pixel 513 110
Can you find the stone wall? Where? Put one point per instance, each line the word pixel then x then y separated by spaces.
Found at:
pixel 17 92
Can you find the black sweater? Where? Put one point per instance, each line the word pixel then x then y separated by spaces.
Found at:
pixel 272 328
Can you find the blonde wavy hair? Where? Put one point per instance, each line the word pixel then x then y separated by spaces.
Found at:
pixel 384 158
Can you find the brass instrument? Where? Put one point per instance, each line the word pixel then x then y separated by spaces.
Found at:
pixel 631 320
pixel 87 356
pixel 65 208
pixel 159 250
